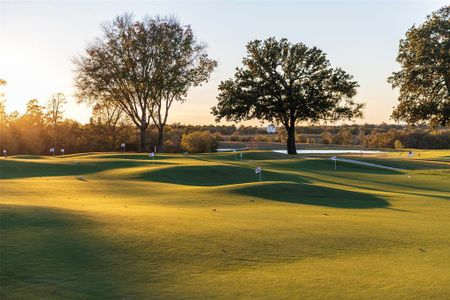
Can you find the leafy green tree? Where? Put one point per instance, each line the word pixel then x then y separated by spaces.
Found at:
pixel 424 78
pixel 287 83
pixel 142 67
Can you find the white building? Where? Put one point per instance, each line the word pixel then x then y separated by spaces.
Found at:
pixel 271 129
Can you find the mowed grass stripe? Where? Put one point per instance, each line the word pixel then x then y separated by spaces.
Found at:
pixel 131 230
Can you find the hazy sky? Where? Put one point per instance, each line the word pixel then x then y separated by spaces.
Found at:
pixel 39 38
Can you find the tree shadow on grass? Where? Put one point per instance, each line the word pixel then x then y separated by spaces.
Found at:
pixel 246 156
pixel 10 169
pixel 212 175
pixel 49 253
pixel 143 156
pixel 309 194
pixel 327 165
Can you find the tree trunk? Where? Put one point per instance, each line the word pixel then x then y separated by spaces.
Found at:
pixel 113 142
pixel 291 149
pixel 142 143
pixel 160 142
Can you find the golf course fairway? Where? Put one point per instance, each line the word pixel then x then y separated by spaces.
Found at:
pixel 120 226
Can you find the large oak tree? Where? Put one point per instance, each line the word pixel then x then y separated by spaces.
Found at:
pixel 142 67
pixel 287 83
pixel 424 78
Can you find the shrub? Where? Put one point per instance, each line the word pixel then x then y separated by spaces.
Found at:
pixel 235 137
pixel 327 137
pixel 198 142
pixel 398 144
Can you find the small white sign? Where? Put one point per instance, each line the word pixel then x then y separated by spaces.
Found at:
pixel 152 154
pixel 52 150
pixel 122 145
pixel 258 170
pixel 62 150
pixel 334 158
pixel 4 151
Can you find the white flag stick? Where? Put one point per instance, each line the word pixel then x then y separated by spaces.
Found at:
pixel 335 159
pixel 258 171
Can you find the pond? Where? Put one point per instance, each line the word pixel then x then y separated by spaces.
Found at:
pixel 330 151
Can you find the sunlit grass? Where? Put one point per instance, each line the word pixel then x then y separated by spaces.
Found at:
pixel 202 226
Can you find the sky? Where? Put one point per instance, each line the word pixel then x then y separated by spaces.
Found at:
pixel 38 40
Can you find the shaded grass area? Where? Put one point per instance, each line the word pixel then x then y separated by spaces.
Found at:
pixel 22 169
pixel 49 253
pixel 407 164
pixel 327 165
pixel 308 194
pixel 211 175
pixel 202 226
pixel 138 156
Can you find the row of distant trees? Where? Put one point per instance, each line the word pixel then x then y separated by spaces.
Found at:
pixel 135 71
pixel 42 127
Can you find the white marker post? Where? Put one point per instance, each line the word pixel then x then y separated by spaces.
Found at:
pixel 62 152
pixel 152 155
pixel 52 151
pixel 123 147
pixel 335 159
pixel 258 170
pixel 241 156
pixel 4 153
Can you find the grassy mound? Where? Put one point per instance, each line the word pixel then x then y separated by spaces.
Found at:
pixel 203 226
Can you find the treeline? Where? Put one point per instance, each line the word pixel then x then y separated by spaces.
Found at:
pixel 43 127
pixel 366 135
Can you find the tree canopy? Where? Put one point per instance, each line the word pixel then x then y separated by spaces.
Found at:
pixel 424 78
pixel 142 66
pixel 287 83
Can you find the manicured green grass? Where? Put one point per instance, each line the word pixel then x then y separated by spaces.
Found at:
pixel 202 226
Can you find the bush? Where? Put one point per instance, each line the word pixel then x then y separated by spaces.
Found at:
pixel 398 145
pixel 327 137
pixel 235 137
pixel 199 141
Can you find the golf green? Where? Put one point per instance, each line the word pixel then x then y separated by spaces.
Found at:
pixel 202 226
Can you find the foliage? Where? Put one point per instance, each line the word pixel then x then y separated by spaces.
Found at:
pixel 112 118
pixel 287 83
pixel 327 137
pixel 199 142
pixel 424 78
pixel 344 136
pixel 55 113
pixel 398 144
pixel 142 67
